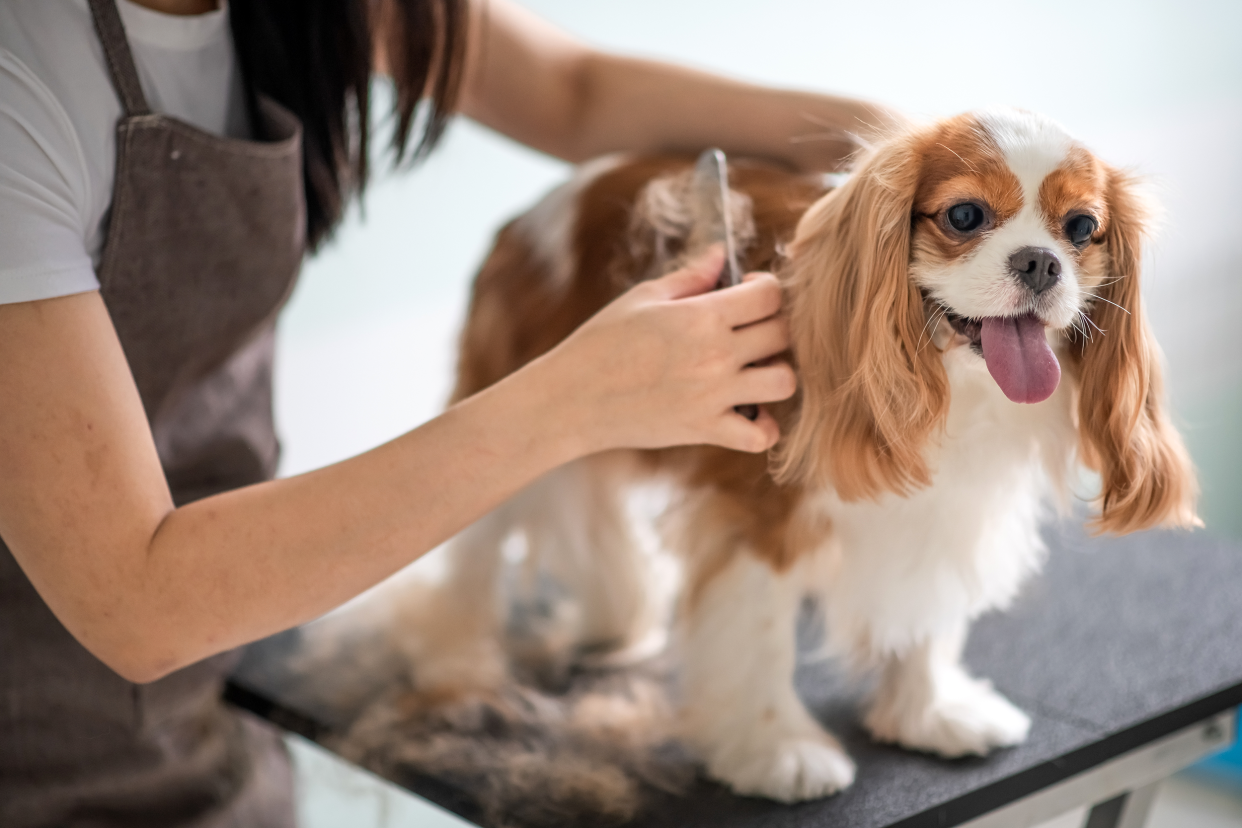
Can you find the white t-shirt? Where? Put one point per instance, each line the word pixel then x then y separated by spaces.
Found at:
pixel 58 116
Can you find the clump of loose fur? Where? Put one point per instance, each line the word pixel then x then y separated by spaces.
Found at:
pixel 528 758
pixel 664 217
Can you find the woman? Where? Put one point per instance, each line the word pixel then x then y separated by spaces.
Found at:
pixel 142 261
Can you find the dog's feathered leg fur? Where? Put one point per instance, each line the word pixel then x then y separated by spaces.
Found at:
pixel 578 532
pixel 741 712
pixel 927 701
pixel 451 638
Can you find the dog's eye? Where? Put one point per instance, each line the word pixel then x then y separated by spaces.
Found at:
pixel 965 218
pixel 1079 230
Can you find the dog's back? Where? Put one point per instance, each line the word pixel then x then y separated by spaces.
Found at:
pixel 620 220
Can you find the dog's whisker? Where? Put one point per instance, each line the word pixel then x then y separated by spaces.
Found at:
pixel 1091 322
pixel 815 119
pixel 933 317
pixel 932 321
pixel 1111 302
pixel 1110 282
pixel 818 136
pixel 960 158
pixel 1086 336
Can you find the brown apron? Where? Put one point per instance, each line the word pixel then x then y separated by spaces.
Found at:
pixel 205 239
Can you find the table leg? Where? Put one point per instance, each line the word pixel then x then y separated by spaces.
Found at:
pixel 1130 810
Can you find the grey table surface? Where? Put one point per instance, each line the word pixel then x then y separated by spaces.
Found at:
pixel 1117 643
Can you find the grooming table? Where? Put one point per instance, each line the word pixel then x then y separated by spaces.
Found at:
pixel 1127 654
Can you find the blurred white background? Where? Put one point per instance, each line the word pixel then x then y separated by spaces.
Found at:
pixel 367 343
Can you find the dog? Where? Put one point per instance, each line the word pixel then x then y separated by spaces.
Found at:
pixel 968 330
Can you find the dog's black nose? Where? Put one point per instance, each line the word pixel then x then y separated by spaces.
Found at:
pixel 1037 267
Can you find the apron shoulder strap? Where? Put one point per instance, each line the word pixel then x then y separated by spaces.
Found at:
pixel 120 59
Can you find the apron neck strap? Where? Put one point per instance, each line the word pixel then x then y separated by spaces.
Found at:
pixel 120 59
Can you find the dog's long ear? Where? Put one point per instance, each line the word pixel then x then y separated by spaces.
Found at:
pixel 1145 473
pixel 873 388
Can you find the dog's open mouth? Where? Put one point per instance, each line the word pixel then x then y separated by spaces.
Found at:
pixel 1016 351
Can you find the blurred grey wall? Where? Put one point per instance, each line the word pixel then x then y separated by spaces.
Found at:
pixel 367 343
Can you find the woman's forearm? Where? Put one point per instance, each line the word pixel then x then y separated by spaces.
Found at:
pixel 289 550
pixel 634 104
pixel 536 84
pixel 148 588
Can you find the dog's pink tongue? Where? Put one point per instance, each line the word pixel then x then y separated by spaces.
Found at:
pixel 1019 358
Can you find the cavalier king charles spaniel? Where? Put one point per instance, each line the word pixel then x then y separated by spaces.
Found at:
pixel 967 327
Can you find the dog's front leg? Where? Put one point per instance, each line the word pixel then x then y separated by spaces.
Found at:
pixel 927 701
pixel 741 712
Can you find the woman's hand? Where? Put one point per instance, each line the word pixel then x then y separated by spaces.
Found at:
pixel 665 364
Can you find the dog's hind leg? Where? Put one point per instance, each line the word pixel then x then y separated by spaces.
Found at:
pixel 580 533
pixel 551 575
pixel 927 701
pixel 450 631
pixel 741 712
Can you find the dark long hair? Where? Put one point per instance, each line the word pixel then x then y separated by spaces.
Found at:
pixel 315 57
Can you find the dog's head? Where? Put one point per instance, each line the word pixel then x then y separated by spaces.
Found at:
pixel 993 232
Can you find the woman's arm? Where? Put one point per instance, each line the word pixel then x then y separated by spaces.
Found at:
pixel 534 83
pixel 149 588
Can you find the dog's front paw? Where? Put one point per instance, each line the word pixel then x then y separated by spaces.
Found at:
pixel 791 769
pixel 968 719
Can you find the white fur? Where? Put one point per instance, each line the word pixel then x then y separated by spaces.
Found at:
pixel 944 554
pixel 571 526
pixel 1031 144
pixel 741 712
pixel 927 701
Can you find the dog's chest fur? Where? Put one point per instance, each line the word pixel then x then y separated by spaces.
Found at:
pixel 919 562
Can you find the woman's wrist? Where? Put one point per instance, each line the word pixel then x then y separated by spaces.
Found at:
pixel 532 417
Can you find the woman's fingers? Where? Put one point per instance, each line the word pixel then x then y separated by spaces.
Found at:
pixel 758 297
pixel 738 433
pixel 699 276
pixel 761 340
pixel 766 383
pixel 665 363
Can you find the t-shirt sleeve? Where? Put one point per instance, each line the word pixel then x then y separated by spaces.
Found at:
pixel 44 193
